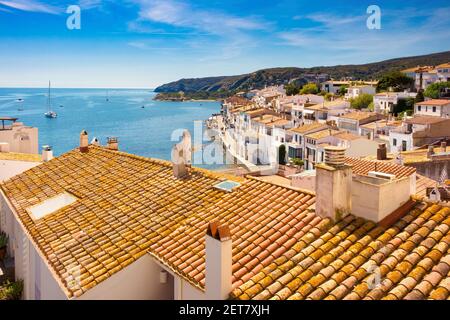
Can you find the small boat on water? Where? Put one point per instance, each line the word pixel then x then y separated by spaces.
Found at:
pixel 50 113
pixel 107 95
pixel 61 106
pixel 19 100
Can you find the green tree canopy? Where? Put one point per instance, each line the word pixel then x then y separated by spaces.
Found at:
pixel 292 89
pixel 434 89
pixel 403 104
pixel 395 81
pixel 363 101
pixel 419 97
pixel 342 90
pixel 309 88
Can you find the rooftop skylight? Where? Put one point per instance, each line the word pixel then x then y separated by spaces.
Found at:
pixel 51 205
pixel 227 185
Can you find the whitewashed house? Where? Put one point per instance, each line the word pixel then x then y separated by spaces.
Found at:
pixel 384 102
pixel 434 107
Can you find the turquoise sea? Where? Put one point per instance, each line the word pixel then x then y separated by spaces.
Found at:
pixel 143 126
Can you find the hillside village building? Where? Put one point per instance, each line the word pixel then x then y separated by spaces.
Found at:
pixel 385 102
pixel 419 131
pixel 433 107
pixel 17 137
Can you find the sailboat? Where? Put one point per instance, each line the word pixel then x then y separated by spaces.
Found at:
pixel 50 113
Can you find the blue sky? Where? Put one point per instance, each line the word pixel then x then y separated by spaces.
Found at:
pixel 144 43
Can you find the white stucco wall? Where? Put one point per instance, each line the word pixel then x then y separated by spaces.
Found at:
pixel 375 199
pixel 138 281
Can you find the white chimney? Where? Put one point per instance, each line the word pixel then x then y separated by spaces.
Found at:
pixel 218 251
pixel 333 184
pixel 112 143
pixel 182 155
pixel 47 153
pixel 84 141
pixel 95 142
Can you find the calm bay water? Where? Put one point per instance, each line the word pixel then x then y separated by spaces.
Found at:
pixel 142 131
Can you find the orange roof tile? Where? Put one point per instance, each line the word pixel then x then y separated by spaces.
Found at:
pixel 129 206
pixel 363 167
pixel 309 127
pixel 343 260
pixel 434 102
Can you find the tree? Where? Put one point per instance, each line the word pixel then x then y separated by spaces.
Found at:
pixel 292 89
pixel 404 104
pixel 419 97
pixel 342 90
pixel 371 107
pixel 282 154
pixel 309 88
pixel 433 91
pixel 362 101
pixel 395 81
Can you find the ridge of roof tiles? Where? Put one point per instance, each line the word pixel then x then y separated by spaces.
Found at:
pixel 363 167
pixel 412 259
pixel 129 206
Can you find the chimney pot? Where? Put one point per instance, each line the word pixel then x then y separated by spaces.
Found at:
pixel 84 142
pixel 112 143
pixel 381 152
pixel 430 152
pixel 95 141
pixel 334 156
pixel 218 250
pixel 47 153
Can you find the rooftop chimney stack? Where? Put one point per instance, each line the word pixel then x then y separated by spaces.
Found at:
pixel 84 141
pixel 47 153
pixel 218 250
pixel 182 156
pixel 381 152
pixel 430 152
pixel 333 183
pixel 112 143
pixel 95 142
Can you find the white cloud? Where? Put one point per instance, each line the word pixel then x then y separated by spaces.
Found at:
pixel 180 14
pixel 31 6
pixel 346 35
pixel 89 4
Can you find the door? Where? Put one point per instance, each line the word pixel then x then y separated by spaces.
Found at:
pixel 403 145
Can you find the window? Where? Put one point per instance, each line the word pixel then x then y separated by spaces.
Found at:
pixel 394 142
pixel 434 109
pixel 419 108
pixel 295 153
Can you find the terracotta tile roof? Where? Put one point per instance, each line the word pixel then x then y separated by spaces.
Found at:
pixel 129 206
pixel 423 120
pixel 326 105
pixel 309 127
pixel 348 136
pixel 358 115
pixel 422 183
pixel 444 65
pixel 322 134
pixel 434 102
pixel 363 167
pixel 342 260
